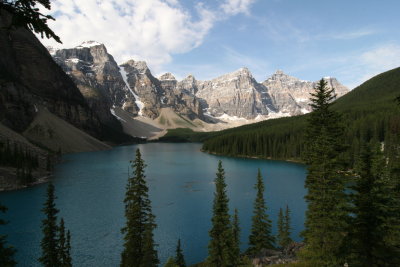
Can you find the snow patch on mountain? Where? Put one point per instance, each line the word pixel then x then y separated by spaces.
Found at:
pixel 138 102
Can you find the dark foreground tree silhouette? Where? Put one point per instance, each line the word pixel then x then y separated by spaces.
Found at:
pixel 260 236
pixel 64 246
pixel 56 241
pixel 220 245
pixel 6 252
pixel 139 247
pixel 326 217
pixel 375 212
pixel 179 258
pixel 49 243
pixel 26 14
pixel 235 239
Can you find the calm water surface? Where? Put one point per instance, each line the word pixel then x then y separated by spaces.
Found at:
pixel 90 189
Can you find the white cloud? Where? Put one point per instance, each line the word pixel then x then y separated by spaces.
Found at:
pixel 233 7
pixel 151 30
pixel 349 35
pixel 380 59
pixel 363 65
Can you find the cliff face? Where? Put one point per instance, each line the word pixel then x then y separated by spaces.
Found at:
pixel 98 78
pixel 153 94
pixel 30 78
pixel 235 94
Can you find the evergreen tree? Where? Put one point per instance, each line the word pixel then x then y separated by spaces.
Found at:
pixel 374 209
pixel 49 243
pixel 260 236
pixel 139 247
pixel 150 257
pixel 236 239
pixel 171 263
pixel 64 246
pixel 6 252
pixel 281 229
pixel 179 258
pixel 326 215
pixel 287 229
pixel 220 245
pixel 68 259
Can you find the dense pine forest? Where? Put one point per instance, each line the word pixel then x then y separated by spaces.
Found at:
pixel 369 113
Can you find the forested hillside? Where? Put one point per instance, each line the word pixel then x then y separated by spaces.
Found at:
pixel 369 112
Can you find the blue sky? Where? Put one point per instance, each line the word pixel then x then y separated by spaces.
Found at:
pixel 350 40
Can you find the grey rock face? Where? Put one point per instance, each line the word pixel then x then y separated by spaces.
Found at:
pixel 291 96
pixel 154 94
pixel 98 77
pixel 235 94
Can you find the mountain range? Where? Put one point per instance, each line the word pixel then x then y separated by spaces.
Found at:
pixel 132 94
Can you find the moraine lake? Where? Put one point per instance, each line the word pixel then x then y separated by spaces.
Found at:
pixel 90 189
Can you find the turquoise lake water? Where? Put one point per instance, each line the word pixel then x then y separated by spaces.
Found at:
pixel 90 189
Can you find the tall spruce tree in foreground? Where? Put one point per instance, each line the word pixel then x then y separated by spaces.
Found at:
pixel 179 258
pixel 326 216
pixel 49 243
pixel 235 239
pixel 260 236
pixel 220 245
pixel 6 252
pixel 139 247
pixel 375 208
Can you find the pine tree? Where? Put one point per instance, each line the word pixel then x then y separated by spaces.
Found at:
pixel 150 257
pixel 287 229
pixel 260 236
pixel 68 259
pixel 6 252
pixel 374 209
pixel 139 247
pixel 49 243
pixel 64 246
pixel 179 258
pixel 236 239
pixel 61 242
pixel 326 215
pixel 220 245
pixel 281 229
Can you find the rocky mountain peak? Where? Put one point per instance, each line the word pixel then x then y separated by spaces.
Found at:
pixel 89 44
pixel 140 66
pixel 167 76
pixel 243 72
pixel 280 76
